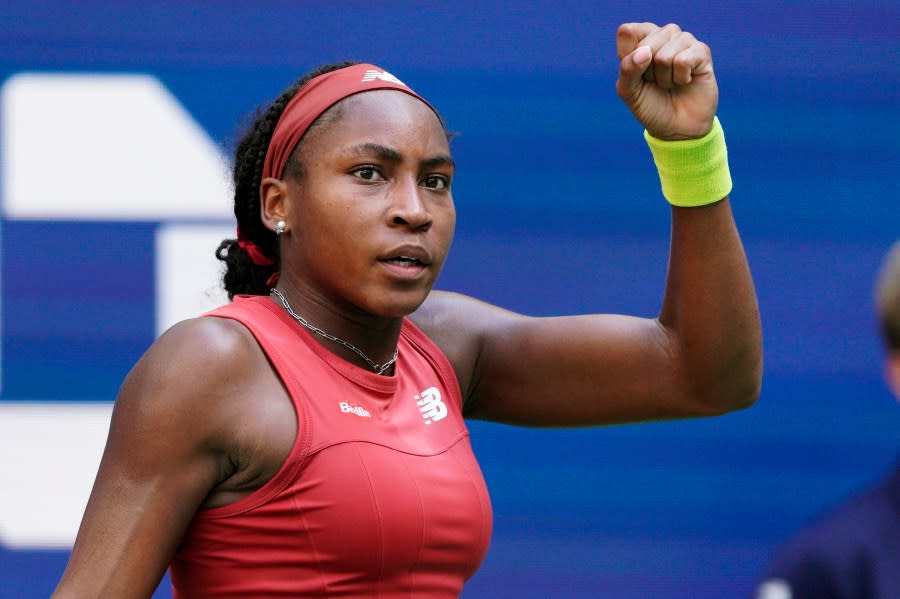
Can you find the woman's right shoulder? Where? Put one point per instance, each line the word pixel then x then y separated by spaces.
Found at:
pixel 195 365
pixel 203 345
pixel 209 337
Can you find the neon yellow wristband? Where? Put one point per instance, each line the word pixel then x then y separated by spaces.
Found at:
pixel 693 172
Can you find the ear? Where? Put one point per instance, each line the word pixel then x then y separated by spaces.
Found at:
pixel 892 372
pixel 273 204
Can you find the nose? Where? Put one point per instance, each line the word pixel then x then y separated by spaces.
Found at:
pixel 407 206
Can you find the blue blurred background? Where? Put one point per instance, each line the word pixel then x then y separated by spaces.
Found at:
pixel 559 212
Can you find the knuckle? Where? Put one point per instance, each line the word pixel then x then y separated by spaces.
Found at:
pixel 664 55
pixel 681 60
pixel 626 30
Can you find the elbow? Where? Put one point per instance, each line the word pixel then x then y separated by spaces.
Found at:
pixel 733 386
pixel 754 387
pixel 724 401
pixel 736 387
pixel 741 397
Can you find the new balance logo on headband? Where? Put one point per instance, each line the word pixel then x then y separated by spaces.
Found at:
pixel 372 75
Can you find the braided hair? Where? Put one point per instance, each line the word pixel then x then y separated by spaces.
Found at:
pixel 242 275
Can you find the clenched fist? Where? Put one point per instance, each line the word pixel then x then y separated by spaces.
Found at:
pixel 666 79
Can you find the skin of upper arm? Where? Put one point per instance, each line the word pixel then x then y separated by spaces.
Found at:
pixel 701 357
pixel 168 446
pixel 556 371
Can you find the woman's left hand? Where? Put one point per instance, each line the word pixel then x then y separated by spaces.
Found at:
pixel 666 78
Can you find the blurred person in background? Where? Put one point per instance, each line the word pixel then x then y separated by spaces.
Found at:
pixel 853 551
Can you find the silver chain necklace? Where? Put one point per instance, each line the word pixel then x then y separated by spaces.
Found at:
pixel 378 368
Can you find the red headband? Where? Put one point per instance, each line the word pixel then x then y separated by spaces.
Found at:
pixel 315 97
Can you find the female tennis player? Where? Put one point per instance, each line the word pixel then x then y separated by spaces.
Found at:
pixel 308 438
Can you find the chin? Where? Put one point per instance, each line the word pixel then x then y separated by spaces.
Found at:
pixel 400 305
pixel 399 310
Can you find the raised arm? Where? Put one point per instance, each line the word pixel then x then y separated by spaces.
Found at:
pixel 701 356
pixel 171 442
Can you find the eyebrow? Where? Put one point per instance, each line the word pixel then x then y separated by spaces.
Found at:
pixel 390 155
pixel 438 161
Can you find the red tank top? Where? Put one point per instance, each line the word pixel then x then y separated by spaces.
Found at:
pixel 380 495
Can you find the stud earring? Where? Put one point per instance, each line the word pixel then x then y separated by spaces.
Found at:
pixel 280 227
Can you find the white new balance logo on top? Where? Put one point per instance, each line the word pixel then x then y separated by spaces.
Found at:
pixel 372 75
pixel 431 405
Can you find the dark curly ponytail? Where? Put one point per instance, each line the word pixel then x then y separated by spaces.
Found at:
pixel 242 275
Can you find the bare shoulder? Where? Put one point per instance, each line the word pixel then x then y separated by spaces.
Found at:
pixel 191 366
pixel 174 438
pixel 178 404
pixel 210 342
pixel 451 313
pixel 459 324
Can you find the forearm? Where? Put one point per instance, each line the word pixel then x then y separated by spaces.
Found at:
pixel 710 310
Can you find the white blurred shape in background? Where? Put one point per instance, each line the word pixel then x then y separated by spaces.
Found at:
pixel 114 148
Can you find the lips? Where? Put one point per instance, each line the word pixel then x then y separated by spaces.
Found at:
pixel 407 262
pixel 404 261
pixel 407 255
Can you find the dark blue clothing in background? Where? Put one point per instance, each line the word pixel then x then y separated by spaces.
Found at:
pixel 852 553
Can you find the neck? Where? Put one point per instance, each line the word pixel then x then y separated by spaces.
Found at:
pixel 369 342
